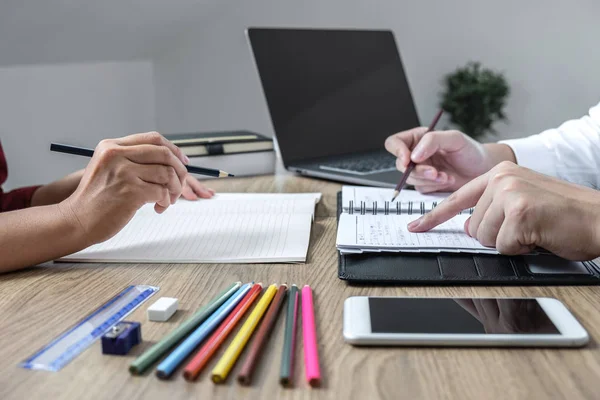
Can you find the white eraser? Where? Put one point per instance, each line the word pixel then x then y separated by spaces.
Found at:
pixel 162 309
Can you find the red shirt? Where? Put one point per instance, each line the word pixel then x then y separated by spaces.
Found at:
pixel 15 199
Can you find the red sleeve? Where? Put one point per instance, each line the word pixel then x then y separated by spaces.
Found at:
pixel 15 199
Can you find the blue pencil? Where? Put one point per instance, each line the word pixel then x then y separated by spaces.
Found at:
pixel 169 364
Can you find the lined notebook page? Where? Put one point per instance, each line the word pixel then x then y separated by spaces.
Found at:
pixel 230 228
pixel 359 233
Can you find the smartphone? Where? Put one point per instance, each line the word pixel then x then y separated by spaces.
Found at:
pixel 491 322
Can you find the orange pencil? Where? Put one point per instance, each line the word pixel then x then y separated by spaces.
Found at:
pixel 195 366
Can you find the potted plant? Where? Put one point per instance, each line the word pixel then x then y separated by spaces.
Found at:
pixel 475 97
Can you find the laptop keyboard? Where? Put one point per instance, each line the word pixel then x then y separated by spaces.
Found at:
pixel 362 164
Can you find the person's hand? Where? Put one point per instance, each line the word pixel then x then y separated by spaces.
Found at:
pixel 517 210
pixel 194 190
pixel 123 175
pixel 446 160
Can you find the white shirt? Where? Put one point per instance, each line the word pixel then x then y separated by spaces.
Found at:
pixel 570 152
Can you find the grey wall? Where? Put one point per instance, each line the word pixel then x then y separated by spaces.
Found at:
pixel 547 49
pixel 202 74
pixel 75 103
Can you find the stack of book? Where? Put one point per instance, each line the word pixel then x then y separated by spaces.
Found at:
pixel 241 152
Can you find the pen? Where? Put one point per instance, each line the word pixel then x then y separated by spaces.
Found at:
pixel 82 151
pixel 411 164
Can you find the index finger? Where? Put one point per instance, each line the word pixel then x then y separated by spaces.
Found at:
pixel 400 144
pixel 465 197
pixel 154 138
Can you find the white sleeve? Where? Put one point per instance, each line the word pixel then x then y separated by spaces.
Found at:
pixel 570 152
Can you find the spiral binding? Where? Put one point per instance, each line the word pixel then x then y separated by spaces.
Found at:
pixel 387 210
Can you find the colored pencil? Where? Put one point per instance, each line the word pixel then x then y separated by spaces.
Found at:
pixel 151 355
pixel 311 352
pixel 85 152
pixel 262 336
pixel 168 365
pixel 412 165
pixel 286 374
pixel 223 367
pixel 197 364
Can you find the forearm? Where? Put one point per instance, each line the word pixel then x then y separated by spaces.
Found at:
pixel 570 152
pixel 38 234
pixel 56 192
pixel 499 152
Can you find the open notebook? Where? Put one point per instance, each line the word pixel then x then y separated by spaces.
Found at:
pixel 229 228
pixel 371 223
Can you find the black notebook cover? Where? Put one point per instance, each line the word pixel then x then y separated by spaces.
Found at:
pixel 454 269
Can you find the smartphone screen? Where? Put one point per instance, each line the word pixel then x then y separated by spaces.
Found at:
pixel 459 316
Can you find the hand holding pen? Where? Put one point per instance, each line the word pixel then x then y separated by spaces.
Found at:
pixel 122 175
pixel 412 164
pixel 445 160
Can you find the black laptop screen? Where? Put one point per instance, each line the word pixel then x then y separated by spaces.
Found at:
pixel 332 92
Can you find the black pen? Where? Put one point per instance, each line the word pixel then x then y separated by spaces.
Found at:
pixel 82 151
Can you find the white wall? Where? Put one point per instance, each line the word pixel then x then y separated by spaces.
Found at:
pixel 75 103
pixel 547 49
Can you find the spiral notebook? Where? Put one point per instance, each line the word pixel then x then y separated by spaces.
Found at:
pixel 371 223
pixel 229 228
pixel 449 268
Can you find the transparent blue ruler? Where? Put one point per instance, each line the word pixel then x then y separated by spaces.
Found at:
pixel 71 343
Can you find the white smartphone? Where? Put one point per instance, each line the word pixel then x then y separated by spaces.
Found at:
pixel 491 322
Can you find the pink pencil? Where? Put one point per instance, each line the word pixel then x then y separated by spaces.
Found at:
pixel 311 353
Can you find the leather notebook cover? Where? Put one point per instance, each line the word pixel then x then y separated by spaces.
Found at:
pixel 462 269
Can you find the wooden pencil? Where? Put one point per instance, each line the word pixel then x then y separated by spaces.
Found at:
pixel 232 353
pixel 197 364
pixel 286 373
pixel 84 152
pixel 152 355
pixel 262 336
pixel 411 164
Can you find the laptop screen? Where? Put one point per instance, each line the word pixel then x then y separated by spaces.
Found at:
pixel 332 92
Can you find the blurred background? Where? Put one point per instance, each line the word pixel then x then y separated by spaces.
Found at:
pixel 78 72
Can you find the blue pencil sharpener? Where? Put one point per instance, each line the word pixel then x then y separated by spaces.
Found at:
pixel 121 338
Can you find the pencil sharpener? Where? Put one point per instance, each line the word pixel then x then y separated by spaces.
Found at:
pixel 121 338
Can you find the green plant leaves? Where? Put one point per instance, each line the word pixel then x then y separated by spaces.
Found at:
pixel 475 97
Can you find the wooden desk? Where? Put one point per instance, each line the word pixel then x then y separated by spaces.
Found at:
pixel 38 304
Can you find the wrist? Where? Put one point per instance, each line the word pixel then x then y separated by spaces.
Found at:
pixel 499 152
pixel 55 192
pixel 72 225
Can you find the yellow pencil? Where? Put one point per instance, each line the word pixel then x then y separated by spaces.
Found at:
pixel 225 364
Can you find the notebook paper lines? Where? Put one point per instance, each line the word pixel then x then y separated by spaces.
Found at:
pixel 231 237
pixel 243 228
pixel 389 233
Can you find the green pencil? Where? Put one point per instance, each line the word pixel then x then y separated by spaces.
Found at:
pixel 286 374
pixel 155 352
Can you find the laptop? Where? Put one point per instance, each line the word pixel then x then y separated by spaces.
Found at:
pixel 334 96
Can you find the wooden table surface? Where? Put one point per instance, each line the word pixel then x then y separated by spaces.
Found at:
pixel 39 303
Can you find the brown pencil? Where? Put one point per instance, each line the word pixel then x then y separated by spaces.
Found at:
pixel 245 375
pixel 411 164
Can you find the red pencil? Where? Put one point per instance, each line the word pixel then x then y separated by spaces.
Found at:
pixel 195 366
